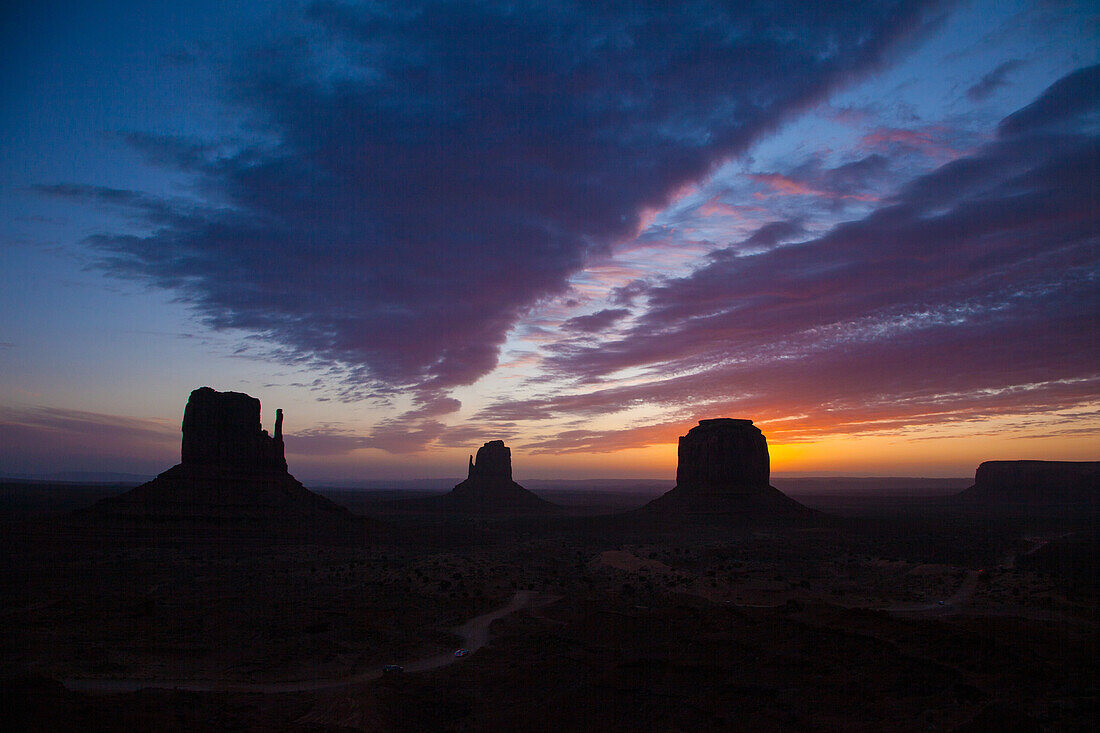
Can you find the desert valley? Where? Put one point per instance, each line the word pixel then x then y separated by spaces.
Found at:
pixel 224 595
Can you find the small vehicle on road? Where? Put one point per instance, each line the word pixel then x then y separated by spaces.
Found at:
pixel 462 652
pixel 393 669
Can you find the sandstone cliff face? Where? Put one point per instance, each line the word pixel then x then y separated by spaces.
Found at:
pixel 231 470
pixel 494 461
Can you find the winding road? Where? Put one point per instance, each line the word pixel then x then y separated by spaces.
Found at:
pixel 474 633
pixel 948 606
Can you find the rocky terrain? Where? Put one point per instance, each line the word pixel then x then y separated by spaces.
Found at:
pixel 488 492
pixel 489 488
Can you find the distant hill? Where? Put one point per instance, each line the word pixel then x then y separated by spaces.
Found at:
pixel 870 486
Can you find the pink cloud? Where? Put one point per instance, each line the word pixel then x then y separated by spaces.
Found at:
pixel 715 207
pixel 786 186
pixel 926 140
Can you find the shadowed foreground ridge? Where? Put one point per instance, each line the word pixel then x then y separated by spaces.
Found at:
pixel 723 469
pixel 489 488
pixel 231 470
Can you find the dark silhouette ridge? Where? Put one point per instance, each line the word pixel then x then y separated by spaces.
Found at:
pixel 230 470
pixel 489 488
pixel 723 469
pixel 1035 483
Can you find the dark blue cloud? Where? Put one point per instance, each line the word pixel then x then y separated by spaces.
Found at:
pixel 993 80
pixel 1071 100
pixel 416 175
pixel 772 234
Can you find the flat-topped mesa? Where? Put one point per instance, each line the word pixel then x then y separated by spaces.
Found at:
pixel 1038 482
pixel 494 461
pixel 723 453
pixel 223 429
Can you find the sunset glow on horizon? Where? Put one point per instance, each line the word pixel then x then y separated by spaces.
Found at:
pixel 417 227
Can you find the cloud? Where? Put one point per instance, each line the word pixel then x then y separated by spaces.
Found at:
pixel 993 80
pixel 324 441
pixel 971 293
pixel 596 322
pixel 34 440
pixel 418 175
pixel 605 441
pixel 860 180
pixel 898 143
pixel 1068 100
pixel 772 234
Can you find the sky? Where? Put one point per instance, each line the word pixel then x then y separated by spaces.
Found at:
pixel 873 228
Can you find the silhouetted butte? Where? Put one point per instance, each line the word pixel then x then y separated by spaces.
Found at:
pixel 230 469
pixel 489 488
pixel 723 469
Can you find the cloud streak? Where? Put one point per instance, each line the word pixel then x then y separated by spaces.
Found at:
pixel 31 440
pixel 992 81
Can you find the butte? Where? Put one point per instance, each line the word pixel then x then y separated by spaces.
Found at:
pixel 489 488
pixel 723 472
pixel 232 475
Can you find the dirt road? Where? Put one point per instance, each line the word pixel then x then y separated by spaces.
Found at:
pixel 474 634
pixel 947 606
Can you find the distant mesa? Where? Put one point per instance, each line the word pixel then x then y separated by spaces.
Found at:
pixel 1040 484
pixel 724 469
pixel 230 469
pixel 489 488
